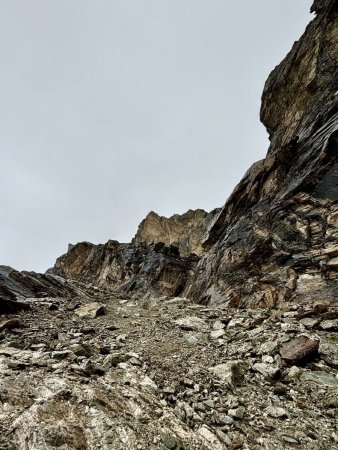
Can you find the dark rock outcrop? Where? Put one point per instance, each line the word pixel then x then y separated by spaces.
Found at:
pixel 139 271
pixel 186 231
pixel 17 286
pixel 276 238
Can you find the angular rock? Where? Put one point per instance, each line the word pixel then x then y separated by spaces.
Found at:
pixel 328 351
pixel 10 324
pixel 277 412
pixel 269 372
pixel 232 373
pixel 299 350
pixel 309 322
pixel 216 334
pixel 329 325
pixel 237 413
pixel 192 324
pixel 322 378
pixel 91 310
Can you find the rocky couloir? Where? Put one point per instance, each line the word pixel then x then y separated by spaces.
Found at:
pixel 159 344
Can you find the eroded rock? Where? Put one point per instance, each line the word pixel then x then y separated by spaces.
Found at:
pixel 298 350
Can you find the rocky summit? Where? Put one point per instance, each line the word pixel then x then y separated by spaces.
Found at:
pixel 209 331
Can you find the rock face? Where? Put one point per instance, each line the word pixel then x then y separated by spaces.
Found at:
pixel 186 231
pixel 139 271
pixel 104 352
pixel 276 238
pixel 17 286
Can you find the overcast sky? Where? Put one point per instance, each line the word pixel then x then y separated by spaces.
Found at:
pixel 112 108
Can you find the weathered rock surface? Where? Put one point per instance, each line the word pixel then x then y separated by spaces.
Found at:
pixel 299 349
pixel 156 371
pixel 16 287
pixel 140 271
pixel 130 379
pixel 276 237
pixel 186 231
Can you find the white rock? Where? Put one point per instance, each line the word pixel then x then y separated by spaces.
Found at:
pixel 231 372
pixel 91 310
pixel 191 323
pixel 276 411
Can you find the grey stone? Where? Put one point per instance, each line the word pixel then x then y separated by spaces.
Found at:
pixel 309 322
pixel 215 334
pixel 237 413
pixel 192 323
pixel 276 412
pixel 328 351
pixel 322 378
pixel 231 372
pixel 269 372
pixel 329 325
pixel 91 310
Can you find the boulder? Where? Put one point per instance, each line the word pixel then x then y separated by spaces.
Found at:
pixel 299 350
pixel 231 373
pixel 91 310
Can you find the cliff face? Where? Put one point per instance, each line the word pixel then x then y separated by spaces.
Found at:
pixel 84 366
pixel 277 235
pixel 275 239
pixel 186 230
pixel 138 271
pixel 159 261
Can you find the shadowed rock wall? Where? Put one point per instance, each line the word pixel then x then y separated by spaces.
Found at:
pixel 277 236
pixel 140 271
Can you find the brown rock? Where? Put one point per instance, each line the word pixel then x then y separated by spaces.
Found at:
pixel 184 230
pixel 277 234
pixel 299 350
pixel 10 324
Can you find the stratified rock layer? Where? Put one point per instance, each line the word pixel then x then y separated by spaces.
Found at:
pixel 15 287
pixel 139 271
pixel 276 238
pixel 184 230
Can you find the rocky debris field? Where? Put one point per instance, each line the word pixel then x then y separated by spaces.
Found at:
pixel 111 373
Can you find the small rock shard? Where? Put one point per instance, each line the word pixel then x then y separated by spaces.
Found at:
pixel 191 323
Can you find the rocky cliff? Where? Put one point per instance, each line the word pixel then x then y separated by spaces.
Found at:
pixel 186 231
pixel 159 261
pixel 104 352
pixel 138 271
pixel 276 238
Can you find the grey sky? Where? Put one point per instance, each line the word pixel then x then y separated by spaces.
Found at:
pixel 112 108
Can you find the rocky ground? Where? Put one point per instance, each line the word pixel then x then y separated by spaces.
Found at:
pixel 112 373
